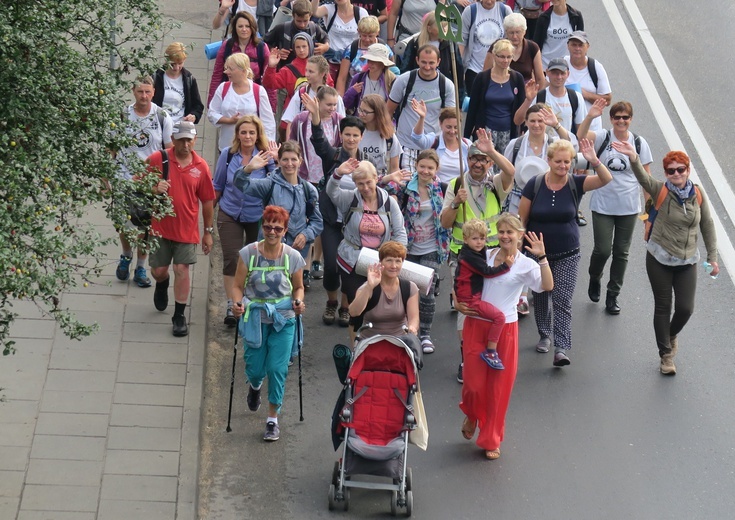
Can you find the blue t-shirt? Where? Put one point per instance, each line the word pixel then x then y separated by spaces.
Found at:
pixel 499 99
pixel 555 215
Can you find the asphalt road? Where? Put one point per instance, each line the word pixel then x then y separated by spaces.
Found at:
pixel 606 438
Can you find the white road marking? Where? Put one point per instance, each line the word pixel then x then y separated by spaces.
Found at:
pixel 661 113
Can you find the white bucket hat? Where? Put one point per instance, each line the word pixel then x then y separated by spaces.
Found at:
pixel 378 52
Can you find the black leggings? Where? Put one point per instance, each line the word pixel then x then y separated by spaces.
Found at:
pixel 331 237
pixel 682 280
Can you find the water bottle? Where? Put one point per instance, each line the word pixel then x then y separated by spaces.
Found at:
pixel 708 269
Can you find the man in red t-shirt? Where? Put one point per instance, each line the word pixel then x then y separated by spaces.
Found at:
pixel 189 183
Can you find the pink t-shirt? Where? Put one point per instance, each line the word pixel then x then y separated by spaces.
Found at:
pixel 372 229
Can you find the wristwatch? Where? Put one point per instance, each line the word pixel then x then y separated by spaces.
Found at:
pixel 209 230
pixel 454 206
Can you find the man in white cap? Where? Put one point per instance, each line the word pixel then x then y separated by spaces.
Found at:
pixel 189 183
pixel 587 75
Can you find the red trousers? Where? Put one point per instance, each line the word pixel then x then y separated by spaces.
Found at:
pixel 486 392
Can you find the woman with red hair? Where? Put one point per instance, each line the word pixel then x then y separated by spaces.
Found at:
pixel 269 292
pixel 672 254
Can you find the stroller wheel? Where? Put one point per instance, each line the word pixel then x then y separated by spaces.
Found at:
pixel 347 499
pixel 394 503
pixel 409 503
pixel 409 479
pixel 330 496
pixel 335 473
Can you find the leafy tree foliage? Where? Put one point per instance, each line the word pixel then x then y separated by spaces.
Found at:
pixel 66 68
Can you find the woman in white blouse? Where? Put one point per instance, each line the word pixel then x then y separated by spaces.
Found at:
pixel 239 97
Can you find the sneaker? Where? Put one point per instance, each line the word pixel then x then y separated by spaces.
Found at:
pixel 581 221
pixel 460 379
pixel 317 273
pixel 543 345
pixel 253 399
pixel 160 295
pixel 451 302
pixel 272 432
pixel 230 319
pixel 180 326
pixel 492 359
pixel 330 313
pixel 141 277
pixel 522 307
pixel 307 279
pixel 436 286
pixel 344 317
pixel 426 345
pixel 123 268
pixel 561 359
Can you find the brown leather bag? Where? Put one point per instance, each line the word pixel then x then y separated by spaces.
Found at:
pixel 530 14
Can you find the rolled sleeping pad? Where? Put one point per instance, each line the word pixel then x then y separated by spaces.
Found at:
pixel 342 356
pixel 211 49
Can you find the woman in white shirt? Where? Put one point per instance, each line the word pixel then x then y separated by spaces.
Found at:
pixel 486 392
pixel 239 97
pixel 341 19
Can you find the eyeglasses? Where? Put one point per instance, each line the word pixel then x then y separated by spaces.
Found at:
pixel 277 229
pixel 618 118
pixel 678 169
pixel 364 112
pixel 479 159
pixel 503 57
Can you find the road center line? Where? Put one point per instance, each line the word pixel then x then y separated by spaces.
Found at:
pixel 660 112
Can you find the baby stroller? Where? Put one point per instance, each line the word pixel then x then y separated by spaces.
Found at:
pixel 373 418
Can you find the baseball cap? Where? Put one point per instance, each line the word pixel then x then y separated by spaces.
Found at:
pixel 558 64
pixel 579 35
pixel 184 130
pixel 474 150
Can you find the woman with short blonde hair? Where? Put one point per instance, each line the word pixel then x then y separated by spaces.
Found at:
pixel 173 79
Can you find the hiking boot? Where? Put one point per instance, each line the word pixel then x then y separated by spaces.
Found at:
pixel 230 319
pixel 460 379
pixel 307 279
pixel 160 295
pixel 611 304
pixel 593 290
pixel 330 313
pixel 543 345
pixel 344 317
pixel 253 399
pixel 272 432
pixel 674 342
pixel 667 364
pixel 180 327
pixel 317 273
pixel 141 277
pixel 561 359
pixel 123 268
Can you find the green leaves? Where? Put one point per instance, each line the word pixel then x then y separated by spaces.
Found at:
pixel 60 120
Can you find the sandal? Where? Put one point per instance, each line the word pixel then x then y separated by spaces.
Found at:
pixel 492 454
pixel 468 428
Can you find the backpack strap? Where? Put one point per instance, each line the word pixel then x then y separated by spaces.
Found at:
pixel 541 96
pixel 260 49
pixel 637 142
pixel 443 87
pixel 570 181
pixel 604 144
pixel 161 116
pixel 256 95
pixel 435 144
pixel 230 155
pixel 331 20
pixel 574 102
pixel 592 70
pixel 473 14
pixel 516 149
pixel 353 50
pixel 227 86
pixel 294 70
pixel 164 166
pixel 229 44
pixel 409 87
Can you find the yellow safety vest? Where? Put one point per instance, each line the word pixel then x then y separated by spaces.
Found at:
pixel 490 216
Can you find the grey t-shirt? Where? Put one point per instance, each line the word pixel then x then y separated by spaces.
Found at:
pixel 277 282
pixel 429 92
pixel 388 316
pixel 374 149
pixel 425 228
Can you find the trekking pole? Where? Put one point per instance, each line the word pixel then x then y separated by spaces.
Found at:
pixel 300 339
pixel 232 382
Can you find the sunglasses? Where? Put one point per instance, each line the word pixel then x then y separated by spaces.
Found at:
pixel 618 118
pixel 678 169
pixel 277 229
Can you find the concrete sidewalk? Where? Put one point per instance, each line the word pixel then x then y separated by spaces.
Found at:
pixel 108 428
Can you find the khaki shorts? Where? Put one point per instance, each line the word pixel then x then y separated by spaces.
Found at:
pixel 169 251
